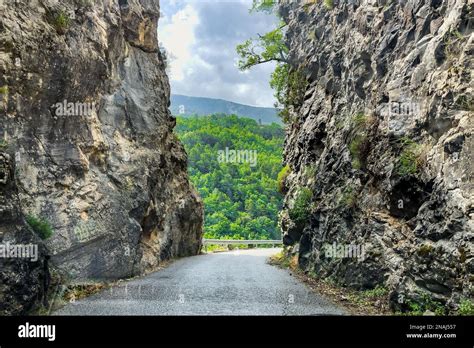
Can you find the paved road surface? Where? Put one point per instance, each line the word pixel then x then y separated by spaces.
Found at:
pixel 238 282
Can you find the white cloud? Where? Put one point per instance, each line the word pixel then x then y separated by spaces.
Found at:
pixel 177 36
pixel 201 36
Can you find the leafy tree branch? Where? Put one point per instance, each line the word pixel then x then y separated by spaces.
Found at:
pixel 288 83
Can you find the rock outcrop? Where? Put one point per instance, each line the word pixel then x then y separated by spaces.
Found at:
pixel 84 118
pixel 24 282
pixel 384 143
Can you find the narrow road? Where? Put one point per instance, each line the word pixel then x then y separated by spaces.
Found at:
pixel 238 282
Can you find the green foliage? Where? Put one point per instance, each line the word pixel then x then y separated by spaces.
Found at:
pixel 241 202
pixel 377 292
pixel 266 48
pixel 425 303
pixel 367 297
pixel 210 248
pixel 407 163
pixel 41 227
pixel 279 83
pixel 289 83
pixel 349 197
pixel 329 4
pixel 451 42
pixel 281 178
pixel 3 144
pixel 74 292
pixel 360 119
pixel 4 90
pixel 310 171
pixel 466 307
pixel 424 250
pixel 301 209
pixel 457 34
pixel 290 87
pixel 357 149
pixel 359 145
pixel 280 259
pixel 60 21
pixel 411 158
pixel 264 5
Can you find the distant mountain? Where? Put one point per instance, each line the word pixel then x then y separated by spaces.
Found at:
pixel 182 105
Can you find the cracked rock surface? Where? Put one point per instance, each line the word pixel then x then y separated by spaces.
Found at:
pixel 84 117
pixel 384 141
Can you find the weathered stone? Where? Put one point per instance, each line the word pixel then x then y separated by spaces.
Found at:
pixel 24 282
pixel 389 128
pixel 108 173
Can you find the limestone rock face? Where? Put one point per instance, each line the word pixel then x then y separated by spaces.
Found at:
pixel 84 116
pixel 24 282
pixel 384 141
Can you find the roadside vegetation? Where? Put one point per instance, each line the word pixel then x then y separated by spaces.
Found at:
pixel 369 302
pixel 301 208
pixel 366 302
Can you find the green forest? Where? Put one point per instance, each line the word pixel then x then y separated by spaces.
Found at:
pixel 240 193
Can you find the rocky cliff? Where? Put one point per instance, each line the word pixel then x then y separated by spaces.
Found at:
pixel 85 123
pixel 23 282
pixel 380 151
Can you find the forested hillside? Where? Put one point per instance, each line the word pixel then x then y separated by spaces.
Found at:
pixel 241 198
pixel 189 106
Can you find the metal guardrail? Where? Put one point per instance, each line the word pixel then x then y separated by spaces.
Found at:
pixel 233 241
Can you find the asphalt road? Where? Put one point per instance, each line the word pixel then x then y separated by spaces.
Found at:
pixel 238 282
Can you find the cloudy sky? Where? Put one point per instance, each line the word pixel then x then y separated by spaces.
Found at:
pixel 201 37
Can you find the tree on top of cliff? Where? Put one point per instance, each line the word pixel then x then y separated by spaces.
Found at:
pixel 264 5
pixel 288 83
pixel 266 48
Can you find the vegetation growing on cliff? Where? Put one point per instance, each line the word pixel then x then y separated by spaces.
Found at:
pixel 41 226
pixel 241 201
pixel 60 21
pixel 412 158
pixel 359 146
pixel 466 307
pixel 329 4
pixel 288 82
pixel 300 211
pixel 281 179
pixel 357 150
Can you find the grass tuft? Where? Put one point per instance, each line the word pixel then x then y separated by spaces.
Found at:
pixel 329 4
pixel 60 21
pixel 466 307
pixel 41 227
pixel 302 206
pixel 281 179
